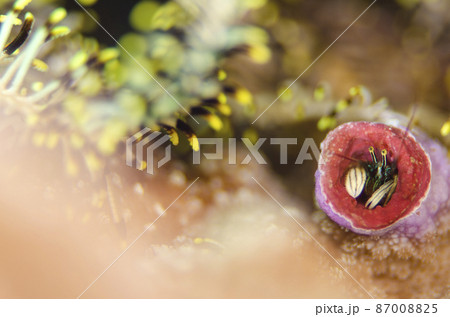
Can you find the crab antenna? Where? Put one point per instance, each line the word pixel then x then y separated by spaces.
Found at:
pixel 413 114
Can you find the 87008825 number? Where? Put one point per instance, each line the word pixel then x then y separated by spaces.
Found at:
pixel 407 308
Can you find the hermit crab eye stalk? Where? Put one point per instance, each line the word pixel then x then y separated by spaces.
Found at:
pixel 384 159
pixel 372 153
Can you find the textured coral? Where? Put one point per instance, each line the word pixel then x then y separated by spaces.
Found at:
pixel 397 266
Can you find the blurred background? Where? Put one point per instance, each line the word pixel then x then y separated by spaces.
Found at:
pixel 70 205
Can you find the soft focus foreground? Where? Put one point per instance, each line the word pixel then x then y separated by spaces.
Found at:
pixel 225 243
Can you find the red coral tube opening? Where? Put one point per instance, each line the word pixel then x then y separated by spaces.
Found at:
pixel 349 143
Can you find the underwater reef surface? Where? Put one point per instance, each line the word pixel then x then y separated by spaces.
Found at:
pixel 71 206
